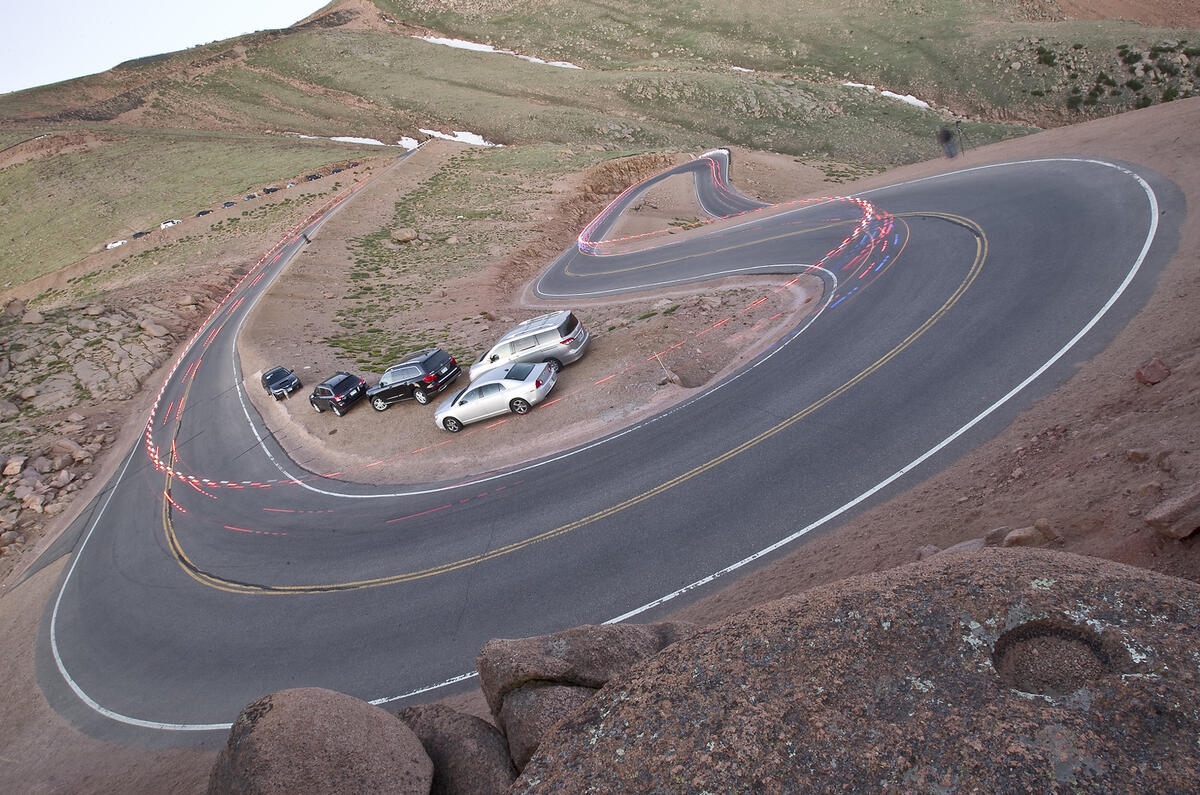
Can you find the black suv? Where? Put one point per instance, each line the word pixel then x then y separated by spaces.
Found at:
pixel 280 382
pixel 338 392
pixel 418 377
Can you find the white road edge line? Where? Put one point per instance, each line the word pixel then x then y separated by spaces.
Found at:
pixel 1133 271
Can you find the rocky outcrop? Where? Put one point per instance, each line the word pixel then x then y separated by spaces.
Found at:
pixel 984 671
pixel 315 740
pixel 532 683
pixel 470 756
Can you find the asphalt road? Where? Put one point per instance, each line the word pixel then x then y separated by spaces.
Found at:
pixel 214 570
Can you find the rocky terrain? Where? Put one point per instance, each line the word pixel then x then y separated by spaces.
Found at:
pixel 1106 467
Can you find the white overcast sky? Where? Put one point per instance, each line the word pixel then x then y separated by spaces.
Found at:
pixel 45 41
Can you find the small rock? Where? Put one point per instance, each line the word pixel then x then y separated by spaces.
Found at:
pixel 14 465
pixel 1024 537
pixel 1150 489
pixel 404 234
pixel 1152 372
pixel 970 545
pixel 32 318
pixel 28 393
pixel 927 551
pixel 995 537
pixel 9 537
pixel 41 464
pixel 1177 517
pixel 152 328
pixel 1137 456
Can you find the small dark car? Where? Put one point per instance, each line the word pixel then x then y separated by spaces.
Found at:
pixel 270 190
pixel 228 204
pixel 417 377
pixel 137 235
pixel 338 392
pixel 280 382
pixel 311 177
pixel 203 213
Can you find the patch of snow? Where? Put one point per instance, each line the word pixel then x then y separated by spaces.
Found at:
pixel 740 69
pixel 906 98
pixel 462 44
pixel 349 139
pixel 461 136
pixel 408 143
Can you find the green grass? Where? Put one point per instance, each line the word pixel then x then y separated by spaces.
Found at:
pixel 55 210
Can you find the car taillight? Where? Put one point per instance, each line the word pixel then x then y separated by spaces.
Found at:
pixel 537 384
pixel 429 379
pixel 338 397
pixel 567 341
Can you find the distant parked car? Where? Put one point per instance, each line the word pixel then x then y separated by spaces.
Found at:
pixel 354 164
pixel 137 235
pixel 116 243
pixel 338 392
pixel 336 171
pixel 228 204
pixel 558 338
pixel 270 190
pixel 169 224
pixel 203 213
pixel 517 387
pixel 417 377
pixel 290 185
pixel 250 196
pixel 311 177
pixel 280 382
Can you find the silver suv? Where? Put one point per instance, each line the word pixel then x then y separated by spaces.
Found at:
pixel 557 339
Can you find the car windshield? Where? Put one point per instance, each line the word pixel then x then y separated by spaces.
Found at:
pixel 278 374
pixel 457 395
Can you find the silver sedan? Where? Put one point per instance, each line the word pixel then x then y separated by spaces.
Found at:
pixel 515 387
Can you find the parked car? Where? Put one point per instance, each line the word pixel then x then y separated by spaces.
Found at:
pixel 557 338
pixel 280 382
pixel 516 387
pixel 311 177
pixel 116 243
pixel 269 190
pixel 169 224
pixel 290 185
pixel 228 204
pixel 203 213
pixel 338 392
pixel 137 235
pixel 336 171
pixel 417 377
pixel 250 196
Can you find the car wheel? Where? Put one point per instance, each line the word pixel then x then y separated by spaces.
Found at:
pixel 316 407
pixel 338 410
pixel 379 404
pixel 519 406
pixel 452 425
pixel 555 365
pixel 421 396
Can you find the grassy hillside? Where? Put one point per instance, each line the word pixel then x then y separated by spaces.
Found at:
pixel 55 209
pixel 657 76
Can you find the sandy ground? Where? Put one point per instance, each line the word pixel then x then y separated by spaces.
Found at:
pixel 1091 458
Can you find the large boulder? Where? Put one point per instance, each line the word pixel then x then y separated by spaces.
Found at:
pixel 1179 516
pixel 587 656
pixel 532 710
pixel 470 756
pixel 979 672
pixel 314 740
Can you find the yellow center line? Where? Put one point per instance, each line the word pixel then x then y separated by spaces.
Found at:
pixel 231 586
